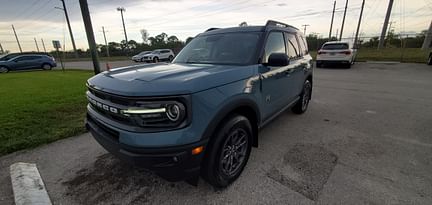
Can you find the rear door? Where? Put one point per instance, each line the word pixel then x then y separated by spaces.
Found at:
pixel 296 53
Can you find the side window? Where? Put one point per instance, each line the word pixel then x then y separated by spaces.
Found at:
pixel 292 46
pixel 275 44
pixel 305 44
pixel 303 49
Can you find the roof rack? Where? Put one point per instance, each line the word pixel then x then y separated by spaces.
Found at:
pixel 211 29
pixel 279 24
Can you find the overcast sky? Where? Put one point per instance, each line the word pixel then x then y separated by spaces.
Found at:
pixel 183 18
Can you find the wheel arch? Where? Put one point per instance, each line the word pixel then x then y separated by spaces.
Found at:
pixel 245 107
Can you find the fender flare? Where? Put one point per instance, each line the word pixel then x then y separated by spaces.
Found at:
pixel 227 109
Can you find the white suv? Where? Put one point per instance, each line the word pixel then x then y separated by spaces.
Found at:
pixel 336 52
pixel 159 55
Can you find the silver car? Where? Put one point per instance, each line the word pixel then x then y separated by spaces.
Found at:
pixel 159 55
pixel 139 57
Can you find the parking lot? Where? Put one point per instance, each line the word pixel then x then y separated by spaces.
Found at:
pixel 366 139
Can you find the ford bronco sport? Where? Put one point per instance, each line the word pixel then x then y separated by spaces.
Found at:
pixel 201 113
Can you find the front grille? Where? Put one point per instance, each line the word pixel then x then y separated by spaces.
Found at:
pixel 112 98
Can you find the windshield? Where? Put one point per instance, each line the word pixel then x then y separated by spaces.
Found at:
pixel 144 52
pixel 335 46
pixel 227 48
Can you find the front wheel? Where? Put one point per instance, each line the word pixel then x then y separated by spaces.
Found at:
pixel 4 69
pixel 302 104
pixel 228 152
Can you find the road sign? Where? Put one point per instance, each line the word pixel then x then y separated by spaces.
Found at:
pixel 56 44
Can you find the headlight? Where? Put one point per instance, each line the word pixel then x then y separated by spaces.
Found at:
pixel 157 114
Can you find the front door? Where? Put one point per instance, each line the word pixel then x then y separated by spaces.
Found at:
pixel 275 93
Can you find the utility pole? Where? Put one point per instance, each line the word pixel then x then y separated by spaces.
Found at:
pixel 70 29
pixel 90 35
pixel 1 49
pixel 358 25
pixel 386 22
pixel 337 32
pixel 343 20
pixel 428 38
pixel 19 45
pixel 37 47
pixel 331 24
pixel 43 44
pixel 106 44
pixel 121 9
pixel 304 30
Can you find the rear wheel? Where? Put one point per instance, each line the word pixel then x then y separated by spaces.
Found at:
pixel 228 152
pixel 4 69
pixel 46 66
pixel 302 104
pixel 155 59
pixel 170 58
pixel 430 59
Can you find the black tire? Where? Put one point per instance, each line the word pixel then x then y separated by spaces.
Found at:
pixel 4 69
pixel 302 104
pixel 46 66
pixel 142 59
pixel 235 130
pixel 430 59
pixel 155 59
pixel 170 58
pixel 348 65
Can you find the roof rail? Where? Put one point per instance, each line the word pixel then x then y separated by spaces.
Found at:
pixel 279 24
pixel 211 29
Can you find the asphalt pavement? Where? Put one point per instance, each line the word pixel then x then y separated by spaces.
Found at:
pixel 366 139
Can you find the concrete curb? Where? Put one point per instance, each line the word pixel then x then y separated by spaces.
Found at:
pixel 27 185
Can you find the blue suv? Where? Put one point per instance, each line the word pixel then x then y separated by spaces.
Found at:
pixel 200 114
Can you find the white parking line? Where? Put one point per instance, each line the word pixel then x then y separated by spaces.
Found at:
pixel 27 185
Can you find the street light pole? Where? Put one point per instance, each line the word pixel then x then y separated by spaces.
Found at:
pixel 304 30
pixel 70 29
pixel 16 37
pixel 90 35
pixel 343 21
pixel 121 9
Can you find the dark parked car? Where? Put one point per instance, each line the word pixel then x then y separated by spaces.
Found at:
pixel 201 114
pixel 26 62
pixel 13 55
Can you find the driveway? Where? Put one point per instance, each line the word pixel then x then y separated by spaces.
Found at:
pixel 366 139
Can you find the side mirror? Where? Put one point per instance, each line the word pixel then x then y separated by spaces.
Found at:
pixel 278 60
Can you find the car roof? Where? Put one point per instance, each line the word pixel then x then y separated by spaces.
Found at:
pixel 246 29
pixel 336 42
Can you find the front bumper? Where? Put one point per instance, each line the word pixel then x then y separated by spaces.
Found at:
pixel 172 163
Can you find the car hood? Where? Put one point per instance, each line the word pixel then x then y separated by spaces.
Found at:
pixel 168 79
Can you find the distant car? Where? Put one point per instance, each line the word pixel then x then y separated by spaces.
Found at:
pixel 139 57
pixel 159 55
pixel 26 62
pixel 335 52
pixel 13 55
